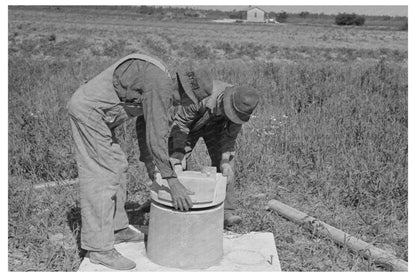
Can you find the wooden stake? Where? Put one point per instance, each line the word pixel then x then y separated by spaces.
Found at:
pixel 318 227
pixel 53 184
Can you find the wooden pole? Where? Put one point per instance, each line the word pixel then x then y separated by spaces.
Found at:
pixel 54 184
pixel 64 182
pixel 318 227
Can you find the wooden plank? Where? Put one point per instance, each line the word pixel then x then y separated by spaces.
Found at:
pixel 54 184
pixel 321 228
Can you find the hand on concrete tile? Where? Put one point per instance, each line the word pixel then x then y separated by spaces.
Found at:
pixel 180 195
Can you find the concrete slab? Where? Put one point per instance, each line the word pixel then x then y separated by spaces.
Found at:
pixel 254 251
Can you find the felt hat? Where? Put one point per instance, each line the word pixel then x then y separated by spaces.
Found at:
pixel 239 103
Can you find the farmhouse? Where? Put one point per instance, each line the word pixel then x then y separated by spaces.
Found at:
pixel 255 14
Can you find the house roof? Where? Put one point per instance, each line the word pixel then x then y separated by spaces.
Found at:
pixel 251 8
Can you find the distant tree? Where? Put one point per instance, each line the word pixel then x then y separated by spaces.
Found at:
pixel 149 10
pixel 282 16
pixel 304 14
pixel 191 13
pixel 404 27
pixel 233 15
pixel 272 15
pixel 360 21
pixel 349 19
pixel 237 14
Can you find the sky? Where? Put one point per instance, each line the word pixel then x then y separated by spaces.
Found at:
pixel 363 10
pixel 363 7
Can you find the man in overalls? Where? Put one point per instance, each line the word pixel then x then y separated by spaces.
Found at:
pixel 135 86
pixel 218 120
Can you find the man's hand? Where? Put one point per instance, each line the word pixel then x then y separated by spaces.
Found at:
pixel 151 170
pixel 227 171
pixel 180 195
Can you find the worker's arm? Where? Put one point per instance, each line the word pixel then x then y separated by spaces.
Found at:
pixel 145 155
pixel 229 137
pixel 184 119
pixel 158 99
pixel 128 84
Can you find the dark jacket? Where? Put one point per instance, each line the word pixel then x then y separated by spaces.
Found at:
pixel 198 120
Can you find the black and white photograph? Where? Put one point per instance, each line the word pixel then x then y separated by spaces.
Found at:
pixel 175 136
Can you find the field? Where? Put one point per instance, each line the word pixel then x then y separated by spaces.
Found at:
pixel 328 138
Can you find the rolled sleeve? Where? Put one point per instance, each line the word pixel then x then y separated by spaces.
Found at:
pixel 184 119
pixel 186 116
pixel 145 155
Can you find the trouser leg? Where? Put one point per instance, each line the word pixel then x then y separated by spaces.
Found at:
pixel 211 141
pixel 101 168
pixel 121 220
pixel 229 202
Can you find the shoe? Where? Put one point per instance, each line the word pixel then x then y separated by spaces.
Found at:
pixel 231 219
pixel 111 259
pixel 127 235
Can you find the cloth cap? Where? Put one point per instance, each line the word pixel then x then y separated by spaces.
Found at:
pixel 239 103
pixel 197 83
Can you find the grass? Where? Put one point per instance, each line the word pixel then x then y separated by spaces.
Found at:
pixel 329 137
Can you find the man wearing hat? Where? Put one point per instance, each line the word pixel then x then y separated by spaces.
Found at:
pixel 135 86
pixel 218 120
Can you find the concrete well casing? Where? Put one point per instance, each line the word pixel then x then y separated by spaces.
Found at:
pixel 176 238
pixel 190 239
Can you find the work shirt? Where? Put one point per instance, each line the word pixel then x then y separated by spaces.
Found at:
pixel 139 85
pixel 187 123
